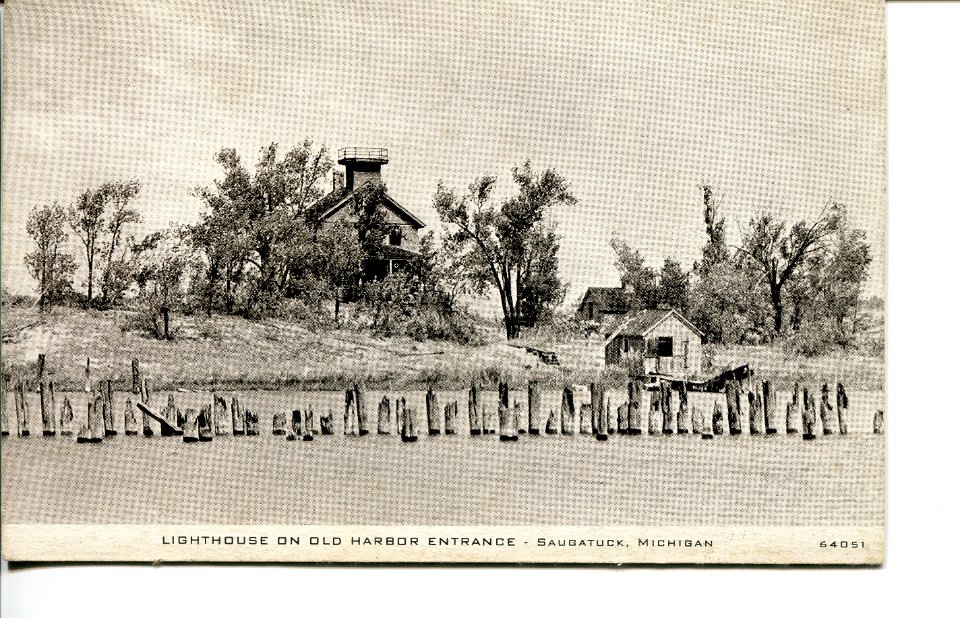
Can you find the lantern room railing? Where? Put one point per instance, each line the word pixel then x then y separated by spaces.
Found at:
pixel 366 155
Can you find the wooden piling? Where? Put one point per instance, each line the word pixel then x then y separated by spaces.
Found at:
pixel 191 426
pixel 251 423
pixel 878 422
pixel 109 419
pixel 172 413
pixel 717 419
pixel 22 409
pixel 769 407
pixel 350 420
pixel 518 417
pixel 83 435
pixel 733 406
pixel 634 402
pixel 95 418
pixel 129 419
pixel 139 392
pixel 755 411
pixel 363 417
pixel 433 413
pixel 66 418
pixel 409 428
pixel 473 411
pixel 586 418
pixel 826 410
pixel 507 415
pixel 296 426
pixel 309 428
pixel 47 403
pixel 4 426
pixel 326 422
pixel 567 413
pixel 450 418
pixel 221 422
pixel 383 417
pixel 655 416
pixel 697 420
pixel 793 410
pixel 398 416
pixel 683 409
pixel 666 407
pixel 533 407
pixel 623 421
pixel 551 427
pixel 809 415
pixel 205 423
pixel 237 417
pixel 843 402
pixel 598 411
pixel 279 423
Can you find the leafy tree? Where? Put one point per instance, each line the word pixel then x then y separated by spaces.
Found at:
pixel 48 263
pixel 370 219
pixel 639 279
pixel 117 270
pixel 504 245
pixel 674 286
pixel 342 253
pixel 163 260
pixel 780 254
pixel 86 219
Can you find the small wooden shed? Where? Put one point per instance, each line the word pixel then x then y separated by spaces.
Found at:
pixel 664 340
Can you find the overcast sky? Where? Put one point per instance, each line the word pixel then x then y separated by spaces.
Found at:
pixel 780 106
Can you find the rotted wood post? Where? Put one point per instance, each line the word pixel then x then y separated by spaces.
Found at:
pixel 205 423
pixel 552 422
pixel 717 419
pixel 755 410
pixel 733 406
pixel 129 419
pixel 598 400
pixel 567 413
pixel 450 418
pixel 826 410
pixel 296 426
pixel 22 409
pixel 221 422
pixel 634 402
pixel 109 420
pixel 696 419
pixel 878 422
pixel 326 422
pixel 4 423
pixel 66 418
pixel 666 407
pixel 533 407
pixel 172 413
pixel 473 411
pixel 191 426
pixel 705 428
pixel 433 413
pixel 383 417
pixel 843 402
pixel 793 410
pixel 236 413
pixel 47 403
pixel 139 392
pixel 508 415
pixel 596 408
pixel 363 416
pixel 683 409
pixel 623 422
pixel 251 423
pixel 769 407
pixel 655 415
pixel 586 418
pixel 518 417
pixel 490 419
pixel 399 416
pixel 349 413
pixel 809 415
pixel 613 420
pixel 279 423
pixel 95 418
pixel 408 431
pixel 309 429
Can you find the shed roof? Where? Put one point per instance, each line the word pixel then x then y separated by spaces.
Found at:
pixel 642 322
pixel 612 300
pixel 391 203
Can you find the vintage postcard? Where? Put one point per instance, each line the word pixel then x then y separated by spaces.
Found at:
pixel 431 281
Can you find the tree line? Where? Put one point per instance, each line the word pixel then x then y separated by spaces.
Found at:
pixel 783 279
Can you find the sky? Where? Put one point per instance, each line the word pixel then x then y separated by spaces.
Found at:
pixel 778 105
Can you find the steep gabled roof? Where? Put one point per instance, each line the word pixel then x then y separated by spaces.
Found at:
pixel 645 321
pixel 611 300
pixel 391 203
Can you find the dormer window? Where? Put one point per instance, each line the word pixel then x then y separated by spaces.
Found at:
pixel 395 236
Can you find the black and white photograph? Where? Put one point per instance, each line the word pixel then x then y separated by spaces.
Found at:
pixel 372 281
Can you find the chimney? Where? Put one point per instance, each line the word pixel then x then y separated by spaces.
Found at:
pixel 337 181
pixel 363 164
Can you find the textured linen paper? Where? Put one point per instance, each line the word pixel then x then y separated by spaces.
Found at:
pixel 545 282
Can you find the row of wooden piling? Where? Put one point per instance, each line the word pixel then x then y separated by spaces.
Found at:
pixel 597 417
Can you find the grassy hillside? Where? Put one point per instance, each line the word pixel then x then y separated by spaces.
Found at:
pixel 225 351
